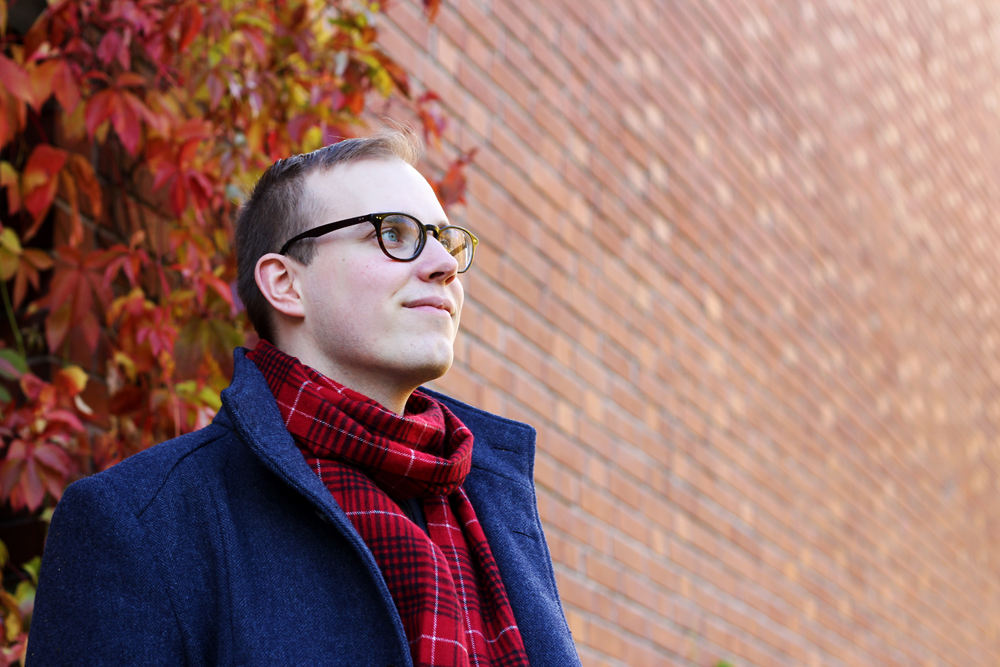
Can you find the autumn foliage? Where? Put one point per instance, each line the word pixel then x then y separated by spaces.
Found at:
pixel 128 131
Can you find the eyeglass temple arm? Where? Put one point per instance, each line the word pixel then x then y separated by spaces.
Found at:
pixel 323 229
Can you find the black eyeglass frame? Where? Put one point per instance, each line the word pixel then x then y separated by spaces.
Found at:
pixel 376 220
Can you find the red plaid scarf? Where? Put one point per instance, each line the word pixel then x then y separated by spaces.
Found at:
pixel 447 588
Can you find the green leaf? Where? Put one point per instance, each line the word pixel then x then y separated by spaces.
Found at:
pixel 248 19
pixel 4 555
pixel 32 567
pixel 25 592
pixel 210 397
pixel 12 364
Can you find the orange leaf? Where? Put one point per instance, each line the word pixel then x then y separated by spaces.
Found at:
pixel 41 81
pixel 37 258
pixel 86 182
pixel 76 224
pixel 355 102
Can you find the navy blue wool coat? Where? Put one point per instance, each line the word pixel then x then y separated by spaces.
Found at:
pixel 222 547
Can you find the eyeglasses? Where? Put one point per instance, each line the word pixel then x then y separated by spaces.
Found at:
pixel 402 237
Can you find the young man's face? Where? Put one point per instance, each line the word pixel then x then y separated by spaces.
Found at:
pixel 371 321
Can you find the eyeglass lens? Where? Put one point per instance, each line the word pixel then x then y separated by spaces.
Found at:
pixel 458 243
pixel 400 236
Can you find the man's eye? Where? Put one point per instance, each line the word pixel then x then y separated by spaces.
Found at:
pixel 390 235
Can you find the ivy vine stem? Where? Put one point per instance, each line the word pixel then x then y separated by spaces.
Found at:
pixel 12 319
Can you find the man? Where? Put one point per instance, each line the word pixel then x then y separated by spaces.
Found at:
pixel 333 513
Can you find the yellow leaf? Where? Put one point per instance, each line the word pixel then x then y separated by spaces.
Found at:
pixel 210 397
pixel 12 616
pixel 76 375
pixel 74 124
pixel 126 363
pixel 299 94
pixel 10 252
pixel 9 240
pixel 312 139
pixel 382 81
pixel 10 179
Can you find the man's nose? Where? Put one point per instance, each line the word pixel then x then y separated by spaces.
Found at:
pixel 436 262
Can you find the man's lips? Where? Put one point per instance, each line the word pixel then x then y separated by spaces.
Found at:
pixel 432 302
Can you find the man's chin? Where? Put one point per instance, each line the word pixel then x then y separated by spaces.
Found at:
pixel 428 370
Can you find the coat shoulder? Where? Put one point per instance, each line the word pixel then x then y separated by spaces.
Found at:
pixel 139 479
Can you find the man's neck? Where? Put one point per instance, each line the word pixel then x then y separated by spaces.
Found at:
pixel 382 392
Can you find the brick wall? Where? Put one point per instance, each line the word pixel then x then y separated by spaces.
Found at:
pixel 739 268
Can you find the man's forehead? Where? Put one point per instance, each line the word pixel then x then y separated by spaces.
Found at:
pixel 370 186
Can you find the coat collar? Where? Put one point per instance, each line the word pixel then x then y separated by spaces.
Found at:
pixel 502 446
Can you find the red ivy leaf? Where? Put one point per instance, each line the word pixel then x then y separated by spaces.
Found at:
pixel 397 73
pixel 65 87
pixel 16 80
pixel 99 109
pixel 76 282
pixel 115 46
pixel 126 122
pixel 431 118
pixel 431 8
pixel 39 182
pixel 451 188
pixel 192 26
pixel 57 326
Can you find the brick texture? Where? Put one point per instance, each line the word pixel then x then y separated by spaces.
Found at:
pixel 739 269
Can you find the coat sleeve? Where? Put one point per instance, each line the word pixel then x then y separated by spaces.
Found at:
pixel 101 597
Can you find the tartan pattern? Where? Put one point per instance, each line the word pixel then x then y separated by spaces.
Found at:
pixel 445 583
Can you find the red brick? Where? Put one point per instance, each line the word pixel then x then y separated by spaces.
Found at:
pixel 743 347
pixel 509 81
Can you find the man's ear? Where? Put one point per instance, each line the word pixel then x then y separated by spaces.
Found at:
pixel 276 279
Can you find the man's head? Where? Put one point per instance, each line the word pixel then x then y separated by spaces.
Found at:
pixel 338 302
pixel 278 209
